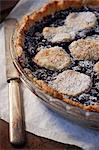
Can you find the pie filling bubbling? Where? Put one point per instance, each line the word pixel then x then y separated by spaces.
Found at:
pixel 34 40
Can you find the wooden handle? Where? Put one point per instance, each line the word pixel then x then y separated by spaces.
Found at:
pixel 17 134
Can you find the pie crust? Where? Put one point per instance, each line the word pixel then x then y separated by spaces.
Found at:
pixel 29 20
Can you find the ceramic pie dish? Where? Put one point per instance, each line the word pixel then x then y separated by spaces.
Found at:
pixel 57 55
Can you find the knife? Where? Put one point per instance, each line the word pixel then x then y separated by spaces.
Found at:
pixel 16 126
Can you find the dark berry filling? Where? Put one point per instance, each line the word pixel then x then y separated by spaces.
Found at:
pixel 34 40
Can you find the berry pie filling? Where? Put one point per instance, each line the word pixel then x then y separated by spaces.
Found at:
pixel 63 50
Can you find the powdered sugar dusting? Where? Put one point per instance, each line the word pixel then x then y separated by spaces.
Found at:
pixel 71 82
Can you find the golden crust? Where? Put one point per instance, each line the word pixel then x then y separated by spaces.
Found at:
pixel 34 17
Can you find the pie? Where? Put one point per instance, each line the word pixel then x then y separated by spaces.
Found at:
pixel 57 48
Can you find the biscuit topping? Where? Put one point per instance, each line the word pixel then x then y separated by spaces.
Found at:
pixel 73 24
pixel 85 49
pixel 52 58
pixel 58 34
pixel 71 83
pixel 81 21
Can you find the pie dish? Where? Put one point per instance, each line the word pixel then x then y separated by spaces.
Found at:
pixel 59 53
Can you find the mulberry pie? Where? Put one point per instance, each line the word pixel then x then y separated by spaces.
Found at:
pixel 58 48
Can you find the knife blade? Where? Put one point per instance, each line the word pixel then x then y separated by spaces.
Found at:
pixel 16 126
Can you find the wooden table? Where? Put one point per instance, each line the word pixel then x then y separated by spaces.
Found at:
pixel 33 142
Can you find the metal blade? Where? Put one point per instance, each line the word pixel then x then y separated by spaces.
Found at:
pixel 11 71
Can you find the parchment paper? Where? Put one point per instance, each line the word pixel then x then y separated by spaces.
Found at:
pixel 38 118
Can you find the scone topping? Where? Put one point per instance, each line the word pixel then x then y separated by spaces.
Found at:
pixel 81 21
pixel 58 34
pixel 52 58
pixel 85 49
pixel 71 82
pixel 74 23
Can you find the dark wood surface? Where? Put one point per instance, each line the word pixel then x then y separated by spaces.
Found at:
pixel 5 8
pixel 33 142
